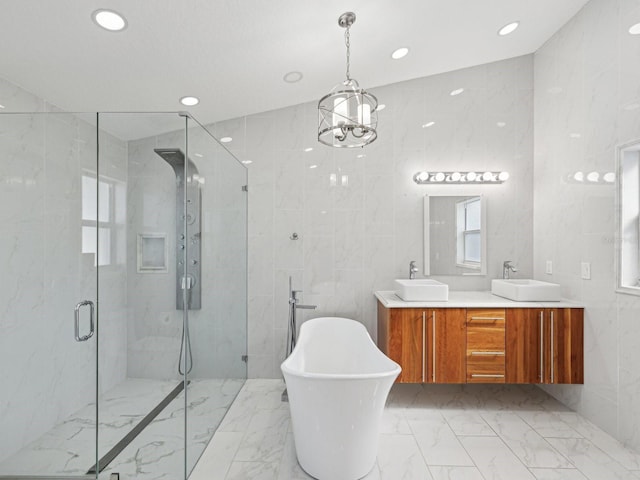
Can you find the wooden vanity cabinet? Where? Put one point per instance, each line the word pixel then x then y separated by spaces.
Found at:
pixel 484 345
pixel 429 344
pixel 544 345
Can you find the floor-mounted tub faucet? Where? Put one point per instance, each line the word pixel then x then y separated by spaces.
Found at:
pixel 292 329
pixel 413 269
pixel 507 267
pixel 293 306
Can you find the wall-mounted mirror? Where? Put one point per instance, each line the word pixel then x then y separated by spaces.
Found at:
pixel 455 235
pixel 628 218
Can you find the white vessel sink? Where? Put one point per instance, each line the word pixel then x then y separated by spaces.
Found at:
pixel 526 290
pixel 422 290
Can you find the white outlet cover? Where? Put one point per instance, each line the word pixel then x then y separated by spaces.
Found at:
pixel 548 267
pixel 585 269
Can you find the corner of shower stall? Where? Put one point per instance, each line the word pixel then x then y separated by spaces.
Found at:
pixel 125 236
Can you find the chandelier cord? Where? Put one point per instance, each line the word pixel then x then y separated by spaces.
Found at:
pixel 348 44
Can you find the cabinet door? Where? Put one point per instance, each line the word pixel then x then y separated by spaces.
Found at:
pixel 405 343
pixel 445 349
pixel 565 345
pixel 524 346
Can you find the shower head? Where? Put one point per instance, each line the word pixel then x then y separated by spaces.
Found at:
pixel 175 158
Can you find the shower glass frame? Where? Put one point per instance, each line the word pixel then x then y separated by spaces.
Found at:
pixel 220 167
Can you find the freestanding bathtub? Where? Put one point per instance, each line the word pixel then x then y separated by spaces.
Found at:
pixel 337 382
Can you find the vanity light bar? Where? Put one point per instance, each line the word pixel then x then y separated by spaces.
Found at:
pixel 425 178
pixel 591 178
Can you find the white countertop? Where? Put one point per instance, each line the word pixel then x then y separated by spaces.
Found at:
pixel 459 299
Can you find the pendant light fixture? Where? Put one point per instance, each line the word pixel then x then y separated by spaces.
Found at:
pixel 348 115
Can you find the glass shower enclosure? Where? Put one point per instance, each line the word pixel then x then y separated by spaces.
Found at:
pixel 123 241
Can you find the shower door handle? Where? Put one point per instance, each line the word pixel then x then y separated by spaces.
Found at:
pixel 86 337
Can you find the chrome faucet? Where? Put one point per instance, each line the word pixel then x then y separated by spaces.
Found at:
pixel 507 267
pixel 294 301
pixel 413 269
pixel 292 329
pixel 292 334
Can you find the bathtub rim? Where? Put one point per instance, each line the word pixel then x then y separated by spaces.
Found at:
pixel 341 376
pixel 394 368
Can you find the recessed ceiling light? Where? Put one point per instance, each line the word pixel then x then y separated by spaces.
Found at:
pixel 457 91
pixel 226 139
pixel 399 53
pixel 382 106
pixel 508 28
pixel 109 20
pixel 199 155
pixel 189 101
pixel 428 124
pixel 247 162
pixel 313 166
pixel 2 106
pixel 292 77
pixel 574 135
pixel 501 124
pixel 635 29
pixel 308 149
pixel 362 155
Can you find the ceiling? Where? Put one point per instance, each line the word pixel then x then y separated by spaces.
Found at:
pixel 233 54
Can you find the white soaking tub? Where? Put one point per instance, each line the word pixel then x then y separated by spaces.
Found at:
pixel 337 382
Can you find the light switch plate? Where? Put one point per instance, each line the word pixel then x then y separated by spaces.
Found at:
pixel 549 267
pixel 585 269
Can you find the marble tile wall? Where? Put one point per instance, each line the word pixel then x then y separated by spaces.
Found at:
pixel 587 79
pixel 356 236
pixel 47 374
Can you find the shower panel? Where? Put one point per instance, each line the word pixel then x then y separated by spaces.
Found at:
pixel 191 280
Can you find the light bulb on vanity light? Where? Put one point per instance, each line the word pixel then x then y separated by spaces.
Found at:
pixel 421 177
pixel 593 177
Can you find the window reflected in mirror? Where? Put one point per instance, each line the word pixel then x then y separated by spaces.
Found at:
pixel 454 235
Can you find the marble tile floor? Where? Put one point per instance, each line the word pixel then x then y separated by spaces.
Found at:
pixel 157 453
pixel 431 432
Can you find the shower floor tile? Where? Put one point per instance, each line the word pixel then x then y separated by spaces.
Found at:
pixel 429 432
pixel 157 453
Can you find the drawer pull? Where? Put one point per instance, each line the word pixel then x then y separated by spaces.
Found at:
pixel 487 319
pixel 424 343
pixel 487 375
pixel 486 353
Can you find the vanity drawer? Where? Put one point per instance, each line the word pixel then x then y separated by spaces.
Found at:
pixel 485 338
pixel 485 331
pixel 485 367
pixel 486 317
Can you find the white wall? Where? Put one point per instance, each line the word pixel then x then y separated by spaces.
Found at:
pixel 46 374
pixel 587 80
pixel 356 238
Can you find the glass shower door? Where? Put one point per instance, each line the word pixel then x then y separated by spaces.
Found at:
pixel 49 214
